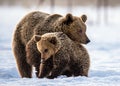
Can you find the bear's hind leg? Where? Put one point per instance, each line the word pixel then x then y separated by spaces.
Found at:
pixel 68 73
pixel 24 68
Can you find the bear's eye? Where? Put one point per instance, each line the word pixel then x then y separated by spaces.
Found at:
pixel 80 31
pixel 46 50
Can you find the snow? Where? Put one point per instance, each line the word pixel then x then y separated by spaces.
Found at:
pixel 104 51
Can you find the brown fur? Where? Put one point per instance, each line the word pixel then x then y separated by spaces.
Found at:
pixel 65 55
pixel 38 23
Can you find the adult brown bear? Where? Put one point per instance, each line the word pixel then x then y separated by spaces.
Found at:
pixel 38 23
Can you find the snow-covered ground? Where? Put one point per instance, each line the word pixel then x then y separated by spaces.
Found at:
pixel 104 51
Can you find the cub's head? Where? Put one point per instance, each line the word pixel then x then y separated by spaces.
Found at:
pixel 47 45
pixel 75 28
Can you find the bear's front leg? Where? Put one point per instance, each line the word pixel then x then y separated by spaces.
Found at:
pixel 42 70
pixel 57 69
pixel 37 71
pixel 45 68
pixel 55 72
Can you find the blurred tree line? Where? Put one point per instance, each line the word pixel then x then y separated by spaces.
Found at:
pixel 101 6
pixel 28 3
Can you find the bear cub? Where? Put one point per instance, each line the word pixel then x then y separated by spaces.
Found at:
pixel 60 55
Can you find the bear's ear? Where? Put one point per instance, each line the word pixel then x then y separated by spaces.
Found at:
pixel 53 40
pixel 84 18
pixel 68 19
pixel 37 38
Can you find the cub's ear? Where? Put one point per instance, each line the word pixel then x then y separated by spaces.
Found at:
pixel 53 40
pixel 37 38
pixel 84 18
pixel 68 19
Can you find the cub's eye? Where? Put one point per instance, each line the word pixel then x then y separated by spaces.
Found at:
pixel 46 50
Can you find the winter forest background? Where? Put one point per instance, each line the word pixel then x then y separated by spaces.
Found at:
pixel 102 28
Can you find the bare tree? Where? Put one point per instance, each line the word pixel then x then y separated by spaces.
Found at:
pixel 106 11
pixel 52 4
pixel 69 5
pixel 105 4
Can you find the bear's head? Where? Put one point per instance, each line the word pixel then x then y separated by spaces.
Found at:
pixel 47 45
pixel 75 28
